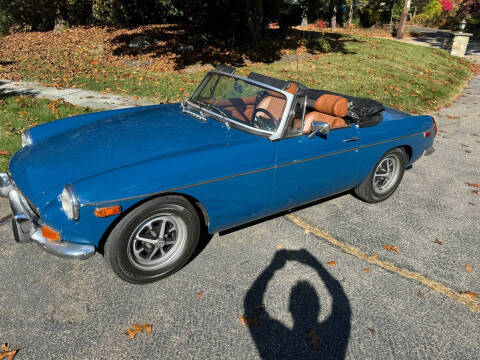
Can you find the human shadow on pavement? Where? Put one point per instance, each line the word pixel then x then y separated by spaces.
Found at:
pixel 308 339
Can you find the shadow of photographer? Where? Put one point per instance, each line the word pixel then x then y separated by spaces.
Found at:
pixel 308 339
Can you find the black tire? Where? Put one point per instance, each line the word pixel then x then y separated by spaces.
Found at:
pixel 367 190
pixel 123 250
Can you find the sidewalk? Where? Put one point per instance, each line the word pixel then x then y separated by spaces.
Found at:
pixel 85 98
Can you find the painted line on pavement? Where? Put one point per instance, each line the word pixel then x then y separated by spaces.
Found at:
pixel 471 303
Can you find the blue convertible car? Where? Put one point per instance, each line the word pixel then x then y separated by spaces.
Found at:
pixel 138 185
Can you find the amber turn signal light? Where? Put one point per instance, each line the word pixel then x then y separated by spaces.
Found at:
pixel 108 211
pixel 49 233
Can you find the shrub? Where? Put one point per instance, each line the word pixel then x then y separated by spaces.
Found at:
pixel 431 15
pixel 321 24
pixel 5 17
pixel 318 45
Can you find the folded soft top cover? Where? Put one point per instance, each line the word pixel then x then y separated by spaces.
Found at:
pixel 363 111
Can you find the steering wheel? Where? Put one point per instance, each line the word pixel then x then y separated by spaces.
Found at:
pixel 263 123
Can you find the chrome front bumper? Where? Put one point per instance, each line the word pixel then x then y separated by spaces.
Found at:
pixel 27 226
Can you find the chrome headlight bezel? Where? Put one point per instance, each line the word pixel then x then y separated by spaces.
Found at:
pixel 69 200
pixel 26 138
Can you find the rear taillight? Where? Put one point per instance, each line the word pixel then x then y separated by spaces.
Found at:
pixel 434 127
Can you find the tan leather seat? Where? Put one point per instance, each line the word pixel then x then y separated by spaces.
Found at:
pixel 329 109
pixel 274 105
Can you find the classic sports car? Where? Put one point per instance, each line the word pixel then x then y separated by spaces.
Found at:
pixel 139 184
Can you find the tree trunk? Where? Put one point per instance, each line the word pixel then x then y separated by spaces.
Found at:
pixel 61 22
pixel 255 19
pixel 403 20
pixel 333 14
pixel 350 13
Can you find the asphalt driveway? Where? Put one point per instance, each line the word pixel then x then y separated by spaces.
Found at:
pixel 333 299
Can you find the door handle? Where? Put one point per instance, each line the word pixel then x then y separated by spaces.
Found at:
pixel 352 139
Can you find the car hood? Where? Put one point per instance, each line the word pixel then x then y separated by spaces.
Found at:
pixel 115 141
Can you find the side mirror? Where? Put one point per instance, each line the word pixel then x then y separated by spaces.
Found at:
pixel 319 128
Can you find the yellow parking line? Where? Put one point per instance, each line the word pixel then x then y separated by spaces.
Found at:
pixel 471 303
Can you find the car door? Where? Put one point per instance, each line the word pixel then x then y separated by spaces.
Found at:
pixel 316 167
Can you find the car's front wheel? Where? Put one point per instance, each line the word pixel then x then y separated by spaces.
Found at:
pixel 154 240
pixel 384 178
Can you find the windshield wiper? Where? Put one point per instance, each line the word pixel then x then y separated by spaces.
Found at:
pixel 212 107
pixel 196 115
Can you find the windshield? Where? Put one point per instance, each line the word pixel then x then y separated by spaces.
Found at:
pixel 241 102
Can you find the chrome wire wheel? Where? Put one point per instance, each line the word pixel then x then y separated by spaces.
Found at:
pixel 157 242
pixel 386 174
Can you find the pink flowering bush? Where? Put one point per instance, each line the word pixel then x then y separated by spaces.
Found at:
pixel 447 5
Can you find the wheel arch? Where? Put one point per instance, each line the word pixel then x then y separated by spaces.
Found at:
pixel 408 149
pixel 199 207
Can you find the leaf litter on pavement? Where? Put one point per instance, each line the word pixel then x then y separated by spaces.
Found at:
pixel 136 329
pixel 7 352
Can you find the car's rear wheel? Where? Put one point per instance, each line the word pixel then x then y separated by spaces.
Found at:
pixel 384 178
pixel 154 240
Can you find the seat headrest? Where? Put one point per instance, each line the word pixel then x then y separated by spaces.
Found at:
pixel 292 88
pixel 332 105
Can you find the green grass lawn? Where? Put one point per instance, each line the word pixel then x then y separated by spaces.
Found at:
pixel 18 113
pixel 410 77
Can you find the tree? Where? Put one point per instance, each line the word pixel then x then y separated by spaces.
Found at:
pixel 469 7
pixel 403 20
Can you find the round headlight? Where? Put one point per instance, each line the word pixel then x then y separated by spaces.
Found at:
pixel 26 138
pixel 69 201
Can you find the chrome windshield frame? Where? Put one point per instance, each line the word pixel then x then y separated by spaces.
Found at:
pixel 272 135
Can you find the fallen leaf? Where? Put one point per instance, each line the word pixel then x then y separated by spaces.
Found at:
pixel 314 340
pixel 372 330
pixel 468 151
pixel 437 241
pixel 6 353
pixel 279 246
pixel 468 268
pixel 4 152
pixel 250 321
pixel 464 145
pixel 473 185
pixel 453 117
pixel 470 294
pixel 332 263
pixel 200 294
pixel 392 248
pixel 475 192
pixel 478 141
pixel 132 333
pixel 147 328
pixel 136 329
pixel 373 256
pixel 367 270
pixel 421 295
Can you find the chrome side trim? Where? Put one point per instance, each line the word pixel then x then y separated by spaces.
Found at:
pixel 245 173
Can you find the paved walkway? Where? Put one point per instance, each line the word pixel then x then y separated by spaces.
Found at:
pixel 84 98
pixel 436 38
